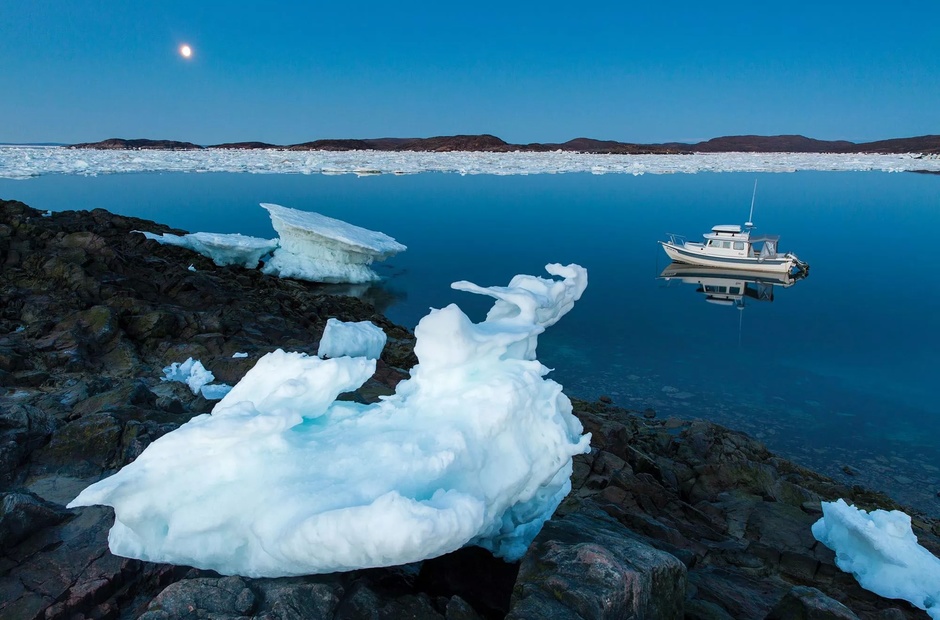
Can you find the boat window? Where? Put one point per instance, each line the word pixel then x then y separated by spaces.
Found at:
pixel 713 243
pixel 738 245
pixel 735 290
pixel 726 244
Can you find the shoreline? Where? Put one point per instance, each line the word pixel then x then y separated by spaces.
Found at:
pixel 102 310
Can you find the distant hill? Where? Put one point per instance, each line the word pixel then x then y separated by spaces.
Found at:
pixel 243 145
pixel 920 144
pixel 119 144
pixel 770 144
pixel 488 143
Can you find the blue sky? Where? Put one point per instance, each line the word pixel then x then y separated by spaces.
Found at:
pixel 82 70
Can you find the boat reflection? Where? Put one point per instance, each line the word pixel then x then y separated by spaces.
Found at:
pixel 730 287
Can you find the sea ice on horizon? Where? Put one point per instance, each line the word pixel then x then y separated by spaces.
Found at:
pixel 881 551
pixel 18 162
pixel 223 249
pixel 318 248
pixel 282 479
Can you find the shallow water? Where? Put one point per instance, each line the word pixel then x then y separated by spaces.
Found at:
pixel 836 370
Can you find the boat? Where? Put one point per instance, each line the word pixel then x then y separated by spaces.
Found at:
pixel 729 246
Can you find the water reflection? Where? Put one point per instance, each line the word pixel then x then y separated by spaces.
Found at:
pixel 380 295
pixel 727 287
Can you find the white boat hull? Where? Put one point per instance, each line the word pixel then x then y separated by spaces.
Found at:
pixel 783 263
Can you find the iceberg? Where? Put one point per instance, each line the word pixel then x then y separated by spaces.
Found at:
pixel 362 339
pixel 475 448
pixel 318 248
pixel 881 551
pixel 223 249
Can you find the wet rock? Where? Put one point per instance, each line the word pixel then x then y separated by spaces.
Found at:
pixel 23 513
pixel 849 471
pixel 289 598
pixel 481 580
pixel 459 609
pixel 649 413
pixel 806 603
pixel 228 597
pixel 605 399
pixel 587 565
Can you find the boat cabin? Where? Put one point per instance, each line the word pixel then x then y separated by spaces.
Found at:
pixel 729 240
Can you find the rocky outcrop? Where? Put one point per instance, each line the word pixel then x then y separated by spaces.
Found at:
pixel 666 519
pixel 735 514
pixel 138 144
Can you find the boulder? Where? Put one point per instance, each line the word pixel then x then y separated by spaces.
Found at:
pixel 587 565
pixel 806 603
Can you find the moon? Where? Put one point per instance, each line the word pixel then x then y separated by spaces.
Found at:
pixel 186 51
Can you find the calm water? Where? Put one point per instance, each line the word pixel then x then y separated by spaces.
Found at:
pixel 838 369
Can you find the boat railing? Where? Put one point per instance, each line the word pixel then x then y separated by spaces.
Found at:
pixel 675 239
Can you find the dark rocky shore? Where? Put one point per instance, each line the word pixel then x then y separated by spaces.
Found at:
pixel 667 519
pixel 491 144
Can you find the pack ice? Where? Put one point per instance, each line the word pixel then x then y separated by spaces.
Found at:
pixel 280 479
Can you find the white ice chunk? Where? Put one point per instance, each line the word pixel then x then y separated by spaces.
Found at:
pixel 362 339
pixel 191 268
pixel 881 551
pixel 282 479
pixel 318 248
pixel 239 354
pixel 223 249
pixel 215 391
pixel 47 214
pixel 191 372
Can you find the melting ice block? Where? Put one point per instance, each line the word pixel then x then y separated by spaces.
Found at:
pixel 194 374
pixel 362 339
pixel 191 372
pixel 881 551
pixel 223 249
pixel 322 249
pixel 281 479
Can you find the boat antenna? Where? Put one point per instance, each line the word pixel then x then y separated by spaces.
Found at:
pixel 750 218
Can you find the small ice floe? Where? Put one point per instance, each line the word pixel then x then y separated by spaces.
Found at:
pixel 223 249
pixel 362 339
pixel 47 214
pixel 191 268
pixel 881 551
pixel 239 355
pixel 194 374
pixel 318 248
